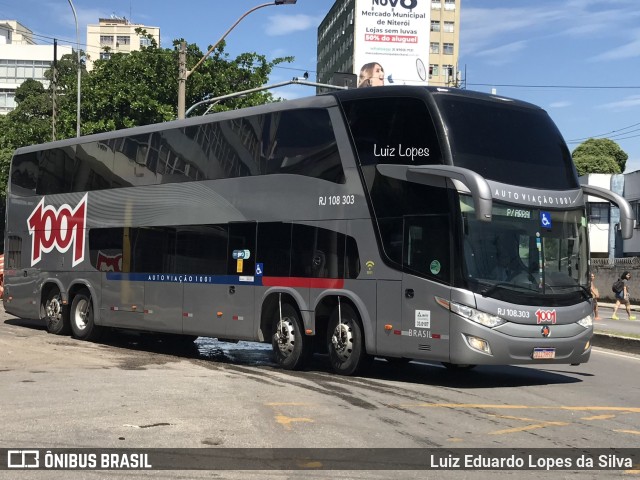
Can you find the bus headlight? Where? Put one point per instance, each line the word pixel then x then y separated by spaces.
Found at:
pixel 586 322
pixel 477 316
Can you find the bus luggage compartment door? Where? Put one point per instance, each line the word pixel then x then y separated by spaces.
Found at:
pixel 122 301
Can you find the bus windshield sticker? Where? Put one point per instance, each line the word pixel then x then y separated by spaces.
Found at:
pixel 239 265
pixel 435 267
pixel 370 264
pixel 545 220
pixel 241 254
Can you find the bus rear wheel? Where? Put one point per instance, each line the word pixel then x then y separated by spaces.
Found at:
pixel 82 323
pixel 345 340
pixel 55 313
pixel 290 348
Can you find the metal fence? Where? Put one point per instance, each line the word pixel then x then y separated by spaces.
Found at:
pixel 608 270
pixel 612 262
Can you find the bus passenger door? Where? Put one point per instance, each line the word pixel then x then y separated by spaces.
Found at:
pixel 427 266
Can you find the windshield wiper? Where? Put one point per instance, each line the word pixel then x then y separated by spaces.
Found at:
pixel 492 288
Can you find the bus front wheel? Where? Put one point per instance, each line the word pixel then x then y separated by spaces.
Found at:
pixel 290 348
pixel 345 340
pixel 82 323
pixel 55 313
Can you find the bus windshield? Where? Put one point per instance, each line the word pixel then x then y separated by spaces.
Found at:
pixel 507 143
pixel 526 254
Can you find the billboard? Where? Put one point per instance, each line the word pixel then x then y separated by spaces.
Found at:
pixel 391 42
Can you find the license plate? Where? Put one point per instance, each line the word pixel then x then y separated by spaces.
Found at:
pixel 544 353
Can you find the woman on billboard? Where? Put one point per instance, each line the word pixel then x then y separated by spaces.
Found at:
pixel 371 75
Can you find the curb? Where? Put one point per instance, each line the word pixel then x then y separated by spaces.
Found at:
pixel 616 342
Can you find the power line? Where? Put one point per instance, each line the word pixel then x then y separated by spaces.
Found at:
pixel 597 87
pixel 608 134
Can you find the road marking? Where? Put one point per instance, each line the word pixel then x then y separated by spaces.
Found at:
pixel 521 407
pixel 533 426
pixel 287 421
pixel 529 427
pixel 598 417
pixel 633 432
pixel 614 354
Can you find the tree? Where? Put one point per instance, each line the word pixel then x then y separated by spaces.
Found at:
pixel 595 164
pixel 30 121
pixel 599 155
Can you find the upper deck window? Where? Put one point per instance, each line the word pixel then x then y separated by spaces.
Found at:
pixel 394 130
pixel 507 143
pixel 295 142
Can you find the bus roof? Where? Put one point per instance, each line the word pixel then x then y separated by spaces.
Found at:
pixel 319 101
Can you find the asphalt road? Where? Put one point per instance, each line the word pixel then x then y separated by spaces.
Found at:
pixel 58 392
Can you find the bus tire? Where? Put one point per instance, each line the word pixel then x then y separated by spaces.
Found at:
pixel 291 349
pixel 345 341
pixel 56 314
pixel 82 324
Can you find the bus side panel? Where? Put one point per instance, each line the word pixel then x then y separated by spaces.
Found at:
pixel 425 324
pixel 122 303
pixel 389 342
pixel 204 311
pixel 163 306
pixel 241 301
pixel 21 292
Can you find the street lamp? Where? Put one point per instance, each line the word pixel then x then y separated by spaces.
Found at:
pixel 79 71
pixel 183 73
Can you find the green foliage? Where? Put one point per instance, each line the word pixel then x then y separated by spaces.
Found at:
pixel 601 148
pixel 595 164
pixel 125 91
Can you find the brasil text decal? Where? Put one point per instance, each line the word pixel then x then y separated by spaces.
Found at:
pixel 60 229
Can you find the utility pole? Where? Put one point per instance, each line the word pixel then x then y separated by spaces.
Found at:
pixel 75 16
pixel 183 73
pixel 53 90
pixel 182 79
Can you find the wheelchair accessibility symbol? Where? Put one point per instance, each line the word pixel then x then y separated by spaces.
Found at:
pixel 259 269
pixel 545 220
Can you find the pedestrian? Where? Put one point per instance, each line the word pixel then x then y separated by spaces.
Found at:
pixel 622 296
pixel 595 294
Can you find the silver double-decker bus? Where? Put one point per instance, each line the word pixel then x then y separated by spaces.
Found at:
pixel 400 222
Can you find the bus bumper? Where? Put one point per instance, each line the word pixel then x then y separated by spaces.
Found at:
pixel 469 343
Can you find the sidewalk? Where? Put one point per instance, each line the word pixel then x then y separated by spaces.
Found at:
pixel 622 334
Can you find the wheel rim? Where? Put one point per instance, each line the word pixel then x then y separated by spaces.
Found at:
pixel 342 341
pixel 81 313
pixel 53 310
pixel 285 336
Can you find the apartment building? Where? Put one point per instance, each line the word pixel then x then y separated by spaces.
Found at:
pixel 116 35
pixel 415 42
pixel 21 59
